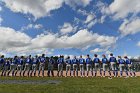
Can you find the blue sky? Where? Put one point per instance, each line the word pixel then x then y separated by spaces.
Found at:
pixel 70 27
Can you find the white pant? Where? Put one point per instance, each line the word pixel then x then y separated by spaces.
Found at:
pixel 113 66
pixel 105 67
pixel 121 66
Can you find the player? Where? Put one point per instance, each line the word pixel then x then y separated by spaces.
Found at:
pixel 82 62
pixel 129 67
pixel 68 65
pixel 105 66
pixel 42 65
pixel 13 65
pixel 113 63
pixel 27 67
pixel 60 63
pixel 89 65
pixel 75 66
pixel 5 68
pixel 35 61
pixel 97 64
pixel 19 65
pixel 2 60
pixel 121 65
pixel 50 66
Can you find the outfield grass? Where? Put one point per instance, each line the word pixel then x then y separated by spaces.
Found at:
pixel 73 85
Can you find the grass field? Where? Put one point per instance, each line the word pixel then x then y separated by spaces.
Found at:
pixel 71 85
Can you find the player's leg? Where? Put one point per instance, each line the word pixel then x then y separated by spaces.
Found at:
pixel 43 68
pixel 87 66
pixel 58 70
pixel 91 70
pixel 67 68
pixel 100 68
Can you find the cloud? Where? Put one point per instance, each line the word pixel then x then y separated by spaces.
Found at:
pixel 1 20
pixel 96 50
pixel 41 8
pixel 75 3
pixel 80 39
pixel 18 42
pixel 67 28
pixel 0 8
pixel 130 26
pixel 11 39
pixel 138 43
pixel 122 8
pixel 32 26
pixel 38 8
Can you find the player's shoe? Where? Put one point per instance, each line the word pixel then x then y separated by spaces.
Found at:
pixel 109 77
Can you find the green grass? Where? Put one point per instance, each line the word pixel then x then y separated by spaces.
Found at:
pixel 74 85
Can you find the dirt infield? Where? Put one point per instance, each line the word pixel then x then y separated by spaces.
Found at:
pixel 64 73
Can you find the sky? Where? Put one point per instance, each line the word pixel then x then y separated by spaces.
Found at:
pixel 70 27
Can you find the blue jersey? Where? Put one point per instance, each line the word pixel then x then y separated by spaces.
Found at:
pixel 74 61
pixel 128 61
pixel 2 60
pixel 68 61
pixel 29 60
pixel 88 61
pixel 96 60
pixel 42 59
pixel 112 59
pixel 121 61
pixel 7 63
pixel 15 61
pixel 60 60
pixel 35 60
pixel 51 61
pixel 81 60
pixel 20 61
pixel 104 60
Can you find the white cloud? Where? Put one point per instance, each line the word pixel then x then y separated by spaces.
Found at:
pixel 130 26
pixel 75 3
pixel 18 42
pixel 11 39
pixel 89 18
pixel 41 8
pixel 32 26
pixel 38 8
pixel 0 20
pixel 97 50
pixel 67 28
pixel 0 8
pixel 121 8
pixel 138 43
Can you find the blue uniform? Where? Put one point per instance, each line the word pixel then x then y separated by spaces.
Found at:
pixel 60 60
pixel 19 66
pixel 96 60
pixel 81 61
pixel 42 60
pixel 112 59
pixel 121 61
pixel 88 61
pixel 20 61
pixel 42 65
pixel 35 60
pixel 28 60
pixel 128 61
pixel 74 61
pixel 2 60
pixel 68 61
pixel 104 60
